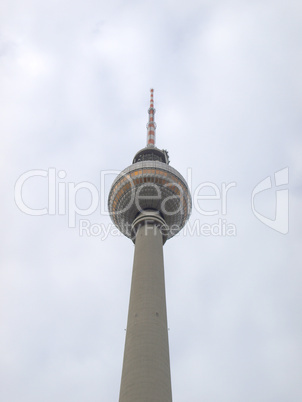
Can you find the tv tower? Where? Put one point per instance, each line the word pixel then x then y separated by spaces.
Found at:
pixel 149 202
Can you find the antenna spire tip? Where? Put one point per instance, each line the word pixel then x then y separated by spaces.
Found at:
pixel 151 124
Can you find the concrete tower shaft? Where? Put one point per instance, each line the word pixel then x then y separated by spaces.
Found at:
pixel 146 366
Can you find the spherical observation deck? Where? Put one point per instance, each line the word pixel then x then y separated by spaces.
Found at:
pixel 150 184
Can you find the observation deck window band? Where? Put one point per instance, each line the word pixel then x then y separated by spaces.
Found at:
pixel 122 188
pixel 174 190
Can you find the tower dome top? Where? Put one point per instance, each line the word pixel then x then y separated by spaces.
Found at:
pixel 151 154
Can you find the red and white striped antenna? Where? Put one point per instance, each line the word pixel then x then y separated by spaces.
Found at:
pixel 151 126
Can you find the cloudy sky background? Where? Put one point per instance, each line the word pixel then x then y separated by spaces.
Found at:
pixel 75 80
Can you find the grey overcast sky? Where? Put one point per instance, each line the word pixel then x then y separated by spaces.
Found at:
pixel 75 81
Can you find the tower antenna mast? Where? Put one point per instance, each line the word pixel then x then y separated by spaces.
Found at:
pixel 151 125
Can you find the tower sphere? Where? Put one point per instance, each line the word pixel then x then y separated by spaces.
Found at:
pixel 150 184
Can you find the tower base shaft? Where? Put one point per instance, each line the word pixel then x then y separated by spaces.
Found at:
pixel 146 367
